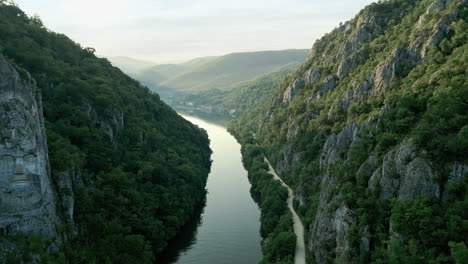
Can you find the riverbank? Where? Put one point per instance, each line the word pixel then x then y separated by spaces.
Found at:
pixel 300 253
pixel 228 229
pixel 277 226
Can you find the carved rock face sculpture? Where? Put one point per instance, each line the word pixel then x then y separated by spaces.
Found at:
pixel 27 202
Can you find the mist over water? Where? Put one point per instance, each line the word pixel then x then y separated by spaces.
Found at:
pixel 228 230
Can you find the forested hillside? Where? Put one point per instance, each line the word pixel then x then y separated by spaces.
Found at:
pixel 220 88
pixel 157 74
pixel 233 68
pixel 372 130
pixel 128 171
pixel 237 99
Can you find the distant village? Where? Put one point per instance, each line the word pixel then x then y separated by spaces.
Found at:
pixel 192 107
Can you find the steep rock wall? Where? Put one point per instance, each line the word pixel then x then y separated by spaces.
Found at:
pixel 350 131
pixel 27 198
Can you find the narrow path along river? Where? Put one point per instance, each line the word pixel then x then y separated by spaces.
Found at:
pixel 299 256
pixel 228 230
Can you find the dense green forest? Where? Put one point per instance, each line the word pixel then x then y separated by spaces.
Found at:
pixel 373 131
pixel 138 170
pixel 276 230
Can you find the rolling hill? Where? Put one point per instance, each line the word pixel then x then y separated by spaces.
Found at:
pixel 130 65
pixel 153 76
pixel 233 68
pixel 236 99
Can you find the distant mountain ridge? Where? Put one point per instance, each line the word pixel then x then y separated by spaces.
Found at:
pixel 212 72
pixel 153 76
pixel 130 65
pixel 223 84
pixel 234 100
pixel 233 68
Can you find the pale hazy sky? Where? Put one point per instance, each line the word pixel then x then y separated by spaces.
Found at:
pixel 176 30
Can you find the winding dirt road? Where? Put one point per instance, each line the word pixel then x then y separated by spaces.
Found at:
pixel 299 255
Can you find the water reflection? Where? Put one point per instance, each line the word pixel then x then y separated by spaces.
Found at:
pixel 184 240
pixel 226 231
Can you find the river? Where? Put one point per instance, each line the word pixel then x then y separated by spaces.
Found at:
pixel 227 230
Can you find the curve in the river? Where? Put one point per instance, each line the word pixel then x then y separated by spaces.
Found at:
pixel 299 255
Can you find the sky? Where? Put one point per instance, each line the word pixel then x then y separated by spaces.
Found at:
pixel 165 31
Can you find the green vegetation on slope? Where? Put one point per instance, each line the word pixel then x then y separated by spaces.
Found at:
pixel 240 97
pixel 233 68
pixel 138 169
pixel 279 240
pixel 425 103
pixel 155 75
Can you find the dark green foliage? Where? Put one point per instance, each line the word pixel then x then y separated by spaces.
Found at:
pixel 276 221
pixel 427 103
pixel 459 252
pixel 30 248
pixel 142 168
pixel 281 247
pixel 429 229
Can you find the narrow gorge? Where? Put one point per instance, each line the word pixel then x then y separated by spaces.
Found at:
pixel 354 151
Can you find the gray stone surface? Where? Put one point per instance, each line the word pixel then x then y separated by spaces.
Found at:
pixel 346 66
pixel 312 75
pixel 292 90
pixel 404 175
pixel 457 175
pixel 417 180
pixel 404 172
pixel 337 143
pixel 438 5
pixel 391 68
pixel 27 200
pixel 343 221
pixel 439 31
pixel 289 160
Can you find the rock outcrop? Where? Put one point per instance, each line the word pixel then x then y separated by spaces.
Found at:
pixel 391 68
pixel 27 198
pixel 359 138
pixel 404 175
pixel 439 30
pixel 292 90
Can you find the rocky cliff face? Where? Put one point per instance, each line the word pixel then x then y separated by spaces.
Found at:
pixel 337 129
pixel 27 199
pixel 115 152
pixel 403 173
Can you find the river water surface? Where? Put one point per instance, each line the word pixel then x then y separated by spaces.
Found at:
pixel 227 231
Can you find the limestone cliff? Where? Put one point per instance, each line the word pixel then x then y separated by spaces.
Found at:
pixel 359 131
pixel 27 198
pixel 118 155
